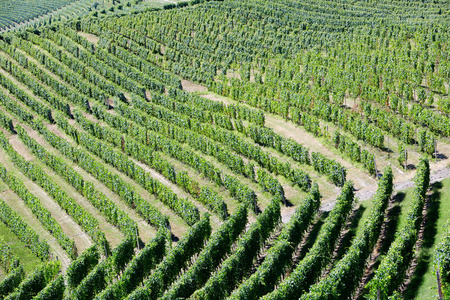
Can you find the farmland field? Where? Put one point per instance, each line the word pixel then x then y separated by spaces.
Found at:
pixel 16 12
pixel 258 149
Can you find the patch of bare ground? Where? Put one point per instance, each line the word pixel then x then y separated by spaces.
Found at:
pixel 190 86
pixel 287 129
pixel 90 37
pixel 233 74
pixel 113 235
pixel 148 94
pixel 17 144
pixel 87 116
pixel 216 97
pixel 162 50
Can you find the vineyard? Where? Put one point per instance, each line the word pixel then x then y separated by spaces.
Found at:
pixel 16 12
pixel 288 149
pixel 16 15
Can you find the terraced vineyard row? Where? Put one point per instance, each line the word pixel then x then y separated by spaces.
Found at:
pixel 217 149
pixel 13 13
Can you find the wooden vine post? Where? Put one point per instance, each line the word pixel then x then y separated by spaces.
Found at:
pixel 439 284
pixel 406 159
pixel 376 170
pixel 435 149
pixel 137 238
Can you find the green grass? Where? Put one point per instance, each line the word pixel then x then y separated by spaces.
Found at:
pixel 423 285
pixel 3 187
pixel 27 259
pixel 423 282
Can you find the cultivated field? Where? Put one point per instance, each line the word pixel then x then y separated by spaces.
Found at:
pixel 286 149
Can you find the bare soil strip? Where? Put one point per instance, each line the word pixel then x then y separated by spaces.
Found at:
pixel 90 37
pixel 178 226
pixel 113 235
pixel 19 206
pixel 214 220
pixel 190 86
pixel 82 240
pixel 146 232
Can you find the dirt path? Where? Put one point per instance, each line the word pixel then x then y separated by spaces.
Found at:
pixel 366 194
pixel 191 87
pixel 89 37
pixel 365 185
pixel 288 129
pixel 301 136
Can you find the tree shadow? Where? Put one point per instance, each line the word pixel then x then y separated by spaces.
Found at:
pixel 288 203
pixel 410 167
pixel 399 197
pixel 141 243
pixel 441 156
pixel 174 237
pixel 424 261
pixel 257 210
